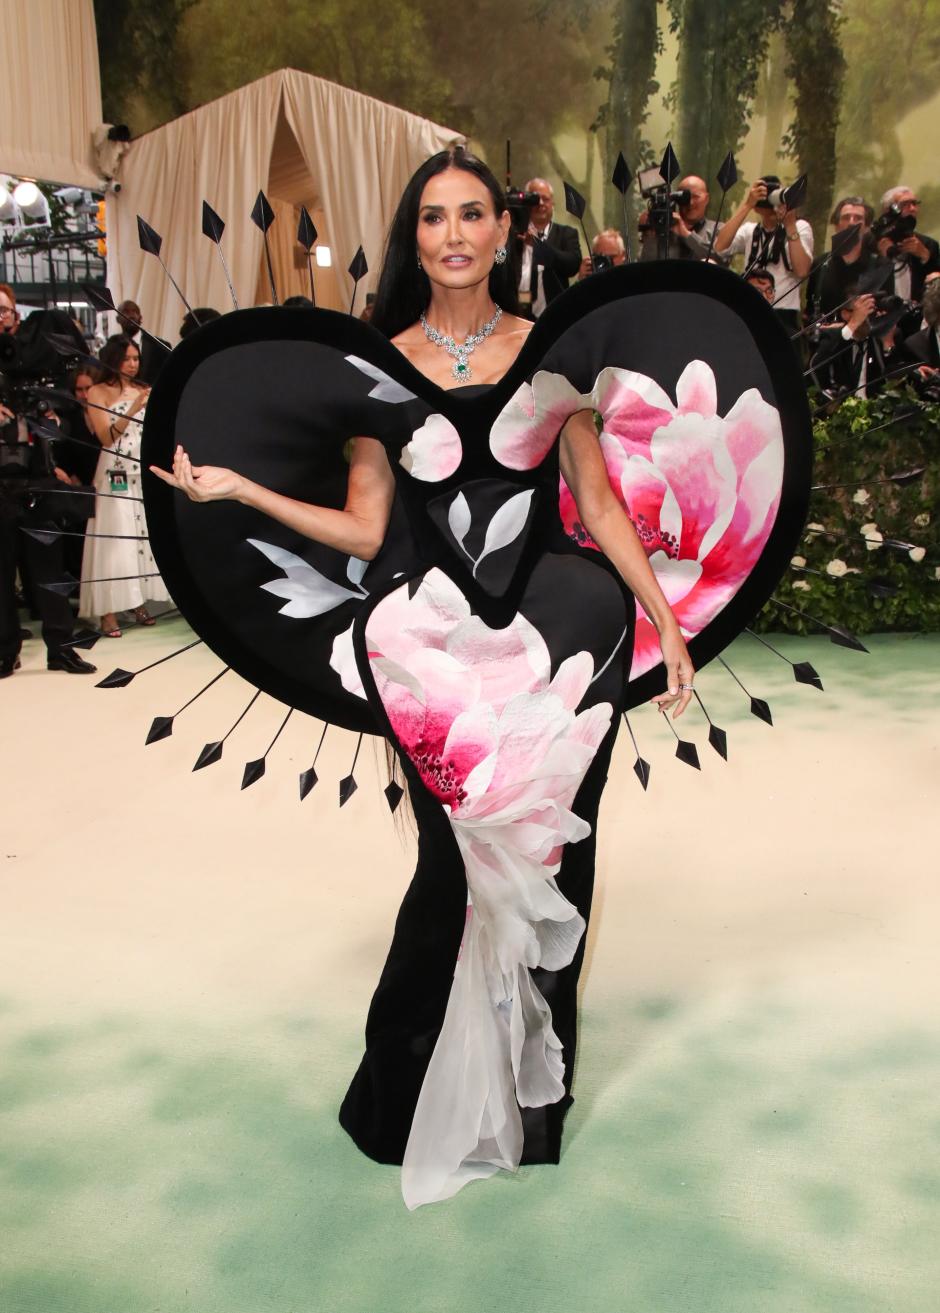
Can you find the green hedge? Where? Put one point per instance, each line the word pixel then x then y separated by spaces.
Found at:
pixel 838 576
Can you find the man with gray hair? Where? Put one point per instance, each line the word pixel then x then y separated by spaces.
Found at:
pixel 549 253
pixel 914 254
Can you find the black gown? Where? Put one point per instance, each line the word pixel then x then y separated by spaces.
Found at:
pixel 490 641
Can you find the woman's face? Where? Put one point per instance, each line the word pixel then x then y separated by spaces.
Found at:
pixel 458 229
pixel 131 362
pixel 82 383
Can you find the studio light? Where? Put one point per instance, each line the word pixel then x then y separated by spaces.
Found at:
pixel 324 257
pixel 26 194
pixel 7 207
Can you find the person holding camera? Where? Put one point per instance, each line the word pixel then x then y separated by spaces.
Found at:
pixel 690 233
pixel 923 348
pixel 777 241
pixel 853 359
pixel 550 253
pixel 607 250
pixel 914 254
pixel 29 477
pixel 838 275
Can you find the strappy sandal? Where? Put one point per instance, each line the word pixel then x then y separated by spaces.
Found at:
pixel 143 617
pixel 114 632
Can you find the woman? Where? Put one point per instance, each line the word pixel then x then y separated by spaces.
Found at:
pixel 499 687
pixel 124 565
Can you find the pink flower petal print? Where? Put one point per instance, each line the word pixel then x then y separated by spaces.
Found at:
pixel 528 425
pixel 434 452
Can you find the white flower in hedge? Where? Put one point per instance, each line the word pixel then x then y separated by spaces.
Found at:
pixel 922 520
pixel 873 535
pixel 798 561
pixel 837 568
pixel 936 572
pixel 917 553
pixel 803 586
pixel 813 529
pixel 862 496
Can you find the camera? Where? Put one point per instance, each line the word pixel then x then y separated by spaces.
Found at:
pixel 520 204
pixel 601 262
pixel 661 203
pixel 895 225
pixel 791 197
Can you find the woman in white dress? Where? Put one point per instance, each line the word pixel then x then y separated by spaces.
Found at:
pixel 126 563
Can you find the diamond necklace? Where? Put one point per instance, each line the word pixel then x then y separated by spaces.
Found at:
pixel 461 351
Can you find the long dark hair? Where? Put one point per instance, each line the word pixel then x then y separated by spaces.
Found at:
pixel 404 289
pixel 112 356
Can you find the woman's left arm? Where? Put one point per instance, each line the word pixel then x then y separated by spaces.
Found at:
pixel 584 471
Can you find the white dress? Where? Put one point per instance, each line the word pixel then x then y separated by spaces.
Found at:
pixel 120 560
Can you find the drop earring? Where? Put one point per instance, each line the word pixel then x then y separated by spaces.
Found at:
pixel 499 255
pixel 418 256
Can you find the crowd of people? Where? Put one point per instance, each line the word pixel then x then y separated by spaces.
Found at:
pixel 862 312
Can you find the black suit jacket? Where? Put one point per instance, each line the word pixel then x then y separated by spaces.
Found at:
pixel 922 347
pixel 837 364
pixel 556 260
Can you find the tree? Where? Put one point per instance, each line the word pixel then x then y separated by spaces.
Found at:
pixel 815 67
pixel 138 52
pixel 630 83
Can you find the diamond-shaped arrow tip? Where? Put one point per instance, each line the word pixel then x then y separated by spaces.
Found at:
pixel 842 241
pixel 359 266
pixel 210 754
pixel 347 787
pixel 62 586
pixel 621 176
pixel 669 167
pixel 45 536
pixel 688 753
pixel 150 240
pixel 252 772
pixel 728 173
pixel 795 195
pixel 641 770
pixel 761 710
pixel 306 231
pixel 99 296
pixel 896 544
pixel 804 673
pixel 845 638
pixel 62 344
pixel 117 679
pixel 161 728
pixel 574 201
pixel 84 638
pixel 393 795
pixel 262 216
pixel 212 225
pixel 308 779
pixel 719 741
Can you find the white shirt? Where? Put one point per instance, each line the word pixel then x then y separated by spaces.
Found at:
pixel 786 282
pixel 525 276
pixel 902 280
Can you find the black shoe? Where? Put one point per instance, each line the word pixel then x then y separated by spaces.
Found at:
pixel 71 662
pixel 8 665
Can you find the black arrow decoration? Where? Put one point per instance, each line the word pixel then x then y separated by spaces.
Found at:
pixel 795 195
pixel 212 752
pixel 68 585
pixel 686 751
pixel 837 634
pixel 716 736
pixel 255 769
pixel 99 296
pixel 727 176
pixel 641 768
pixel 309 777
pixel 357 271
pixel 121 678
pixel 262 216
pixel 307 236
pixel 844 240
pixel 803 672
pixel 149 239
pixel 348 785
pixel 669 166
pixel 575 205
pixel 213 227
pixel 162 726
pixel 759 707
pixel 622 177
pixel 393 794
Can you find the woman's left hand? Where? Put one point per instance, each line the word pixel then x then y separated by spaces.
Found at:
pixel 679 672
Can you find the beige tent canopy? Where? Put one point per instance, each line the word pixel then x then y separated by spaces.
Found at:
pixel 304 141
pixel 50 95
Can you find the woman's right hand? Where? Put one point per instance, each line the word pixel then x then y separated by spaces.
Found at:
pixel 201 482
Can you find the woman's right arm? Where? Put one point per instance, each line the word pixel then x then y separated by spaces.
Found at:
pixel 358 529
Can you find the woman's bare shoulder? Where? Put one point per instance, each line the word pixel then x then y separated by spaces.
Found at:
pixel 516 325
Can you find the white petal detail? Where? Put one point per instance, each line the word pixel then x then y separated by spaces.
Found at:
pixel 308 592
pixel 507 523
pixel 356 569
pixel 386 388
pixel 434 451
pixel 459 518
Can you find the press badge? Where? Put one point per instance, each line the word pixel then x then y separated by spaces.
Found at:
pixel 117 478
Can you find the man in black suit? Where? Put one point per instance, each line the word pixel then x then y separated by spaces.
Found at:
pixel 923 348
pixel 550 253
pixel 853 359
pixel 860 268
pixel 915 256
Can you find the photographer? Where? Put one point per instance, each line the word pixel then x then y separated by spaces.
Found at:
pixel 835 278
pixel 29 477
pixel 778 241
pixel 854 359
pixel 923 348
pixel 607 250
pixel 690 233
pixel 550 253
pixel 913 254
